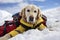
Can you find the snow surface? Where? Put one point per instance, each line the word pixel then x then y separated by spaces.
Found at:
pixel 53 23
pixel 4 15
pixel 53 18
pixel 35 34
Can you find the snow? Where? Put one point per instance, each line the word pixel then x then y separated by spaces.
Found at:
pixel 53 23
pixel 53 18
pixel 4 15
pixel 35 34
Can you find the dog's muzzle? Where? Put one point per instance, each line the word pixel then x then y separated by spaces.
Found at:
pixel 31 19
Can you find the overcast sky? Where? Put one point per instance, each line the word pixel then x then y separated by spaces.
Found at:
pixel 14 6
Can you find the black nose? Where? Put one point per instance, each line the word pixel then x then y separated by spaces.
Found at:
pixel 31 18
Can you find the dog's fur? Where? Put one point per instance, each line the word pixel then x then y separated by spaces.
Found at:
pixel 28 11
pixel 34 12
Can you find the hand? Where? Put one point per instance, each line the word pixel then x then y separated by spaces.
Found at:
pixel 6 37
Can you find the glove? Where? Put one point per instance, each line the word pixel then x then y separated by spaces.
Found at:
pixel 6 37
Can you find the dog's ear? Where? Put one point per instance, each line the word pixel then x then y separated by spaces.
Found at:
pixel 22 12
pixel 39 14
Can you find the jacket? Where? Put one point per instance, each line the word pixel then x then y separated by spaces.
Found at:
pixel 24 26
pixel 7 27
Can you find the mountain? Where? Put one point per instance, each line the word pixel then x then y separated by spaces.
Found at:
pixel 4 15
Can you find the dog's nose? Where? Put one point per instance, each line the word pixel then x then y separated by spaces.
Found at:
pixel 31 18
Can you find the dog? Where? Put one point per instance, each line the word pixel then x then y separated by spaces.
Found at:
pixel 31 19
pixel 31 13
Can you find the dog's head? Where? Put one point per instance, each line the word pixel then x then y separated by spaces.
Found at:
pixel 31 13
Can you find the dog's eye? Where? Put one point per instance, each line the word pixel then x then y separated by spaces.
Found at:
pixel 35 11
pixel 28 10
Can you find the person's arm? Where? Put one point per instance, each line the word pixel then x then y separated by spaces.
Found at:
pixel 41 27
pixel 43 24
pixel 13 33
pixel 5 37
pixel 18 30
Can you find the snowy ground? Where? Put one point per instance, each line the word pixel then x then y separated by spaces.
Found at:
pixel 38 35
pixel 53 23
pixel 53 18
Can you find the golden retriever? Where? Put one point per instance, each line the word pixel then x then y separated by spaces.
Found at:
pixel 30 14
